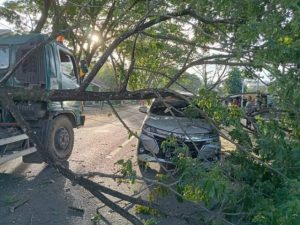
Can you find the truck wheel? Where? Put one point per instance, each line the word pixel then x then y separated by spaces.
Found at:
pixel 60 139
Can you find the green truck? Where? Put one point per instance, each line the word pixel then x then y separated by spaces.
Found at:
pixel 51 67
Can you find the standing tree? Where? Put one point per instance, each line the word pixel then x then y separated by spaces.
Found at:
pixel 233 84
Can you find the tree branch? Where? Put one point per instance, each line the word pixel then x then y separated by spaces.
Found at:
pixel 139 27
pixel 44 16
pixel 122 121
pixel 182 41
pixel 75 95
pixel 131 66
pixel 203 60
pixel 165 75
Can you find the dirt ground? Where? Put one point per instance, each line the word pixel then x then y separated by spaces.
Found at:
pixel 43 197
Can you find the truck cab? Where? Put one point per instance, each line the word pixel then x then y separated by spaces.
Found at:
pixel 51 67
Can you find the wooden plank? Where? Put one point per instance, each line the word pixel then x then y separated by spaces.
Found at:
pixel 5 141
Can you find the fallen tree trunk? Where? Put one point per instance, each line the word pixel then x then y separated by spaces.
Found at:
pixel 24 94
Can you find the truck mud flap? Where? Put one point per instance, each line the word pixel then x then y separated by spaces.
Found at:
pixel 33 158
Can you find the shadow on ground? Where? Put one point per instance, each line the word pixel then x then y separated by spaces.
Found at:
pixel 180 212
pixel 38 199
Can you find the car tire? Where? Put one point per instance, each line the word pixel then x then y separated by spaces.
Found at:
pixel 141 164
pixel 166 168
pixel 59 139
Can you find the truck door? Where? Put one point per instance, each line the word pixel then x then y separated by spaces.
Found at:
pixel 69 76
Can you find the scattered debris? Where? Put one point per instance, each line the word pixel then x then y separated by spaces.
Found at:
pixel 96 218
pixel 18 204
pixel 10 199
pixel 31 219
pixel 77 161
pixel 74 211
pixel 50 181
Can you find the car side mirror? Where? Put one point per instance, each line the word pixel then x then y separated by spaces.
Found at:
pixel 143 109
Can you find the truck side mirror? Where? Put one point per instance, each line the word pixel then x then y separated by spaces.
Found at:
pixel 83 68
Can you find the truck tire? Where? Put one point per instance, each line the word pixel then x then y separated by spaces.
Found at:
pixel 60 139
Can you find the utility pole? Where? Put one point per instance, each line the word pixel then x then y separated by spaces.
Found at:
pixel 243 90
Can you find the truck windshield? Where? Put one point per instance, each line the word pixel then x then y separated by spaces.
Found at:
pixel 4 57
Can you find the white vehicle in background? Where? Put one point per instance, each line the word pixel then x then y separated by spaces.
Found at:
pixel 196 133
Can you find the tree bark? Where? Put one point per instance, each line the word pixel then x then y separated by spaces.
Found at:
pixel 75 95
pixel 44 16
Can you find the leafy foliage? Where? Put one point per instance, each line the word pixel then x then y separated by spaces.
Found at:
pixel 261 194
pixel 233 84
pixel 127 170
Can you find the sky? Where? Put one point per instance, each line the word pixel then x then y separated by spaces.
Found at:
pixel 4 24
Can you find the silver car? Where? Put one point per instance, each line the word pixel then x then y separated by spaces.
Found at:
pixel 168 118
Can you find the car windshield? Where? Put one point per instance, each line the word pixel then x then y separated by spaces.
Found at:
pixel 176 107
pixel 4 57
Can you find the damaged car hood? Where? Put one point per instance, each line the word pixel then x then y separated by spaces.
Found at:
pixel 179 125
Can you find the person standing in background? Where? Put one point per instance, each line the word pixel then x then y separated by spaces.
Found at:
pixel 249 110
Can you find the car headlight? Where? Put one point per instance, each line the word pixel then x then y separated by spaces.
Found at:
pixel 214 139
pixel 149 130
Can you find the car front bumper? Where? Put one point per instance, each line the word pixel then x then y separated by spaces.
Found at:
pixel 149 150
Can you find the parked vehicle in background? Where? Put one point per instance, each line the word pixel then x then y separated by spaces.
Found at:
pixel 261 100
pixel 51 67
pixel 167 119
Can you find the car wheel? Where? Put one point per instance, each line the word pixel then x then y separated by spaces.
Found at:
pixel 141 164
pixel 60 139
pixel 166 168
